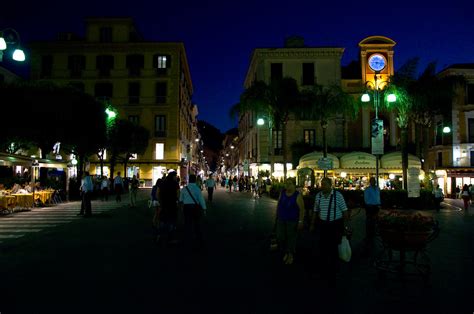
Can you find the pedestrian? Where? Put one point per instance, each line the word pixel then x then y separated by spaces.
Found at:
pixel 168 198
pixel 87 188
pixel 458 192
pixel 155 204
pixel 330 211
pixel 466 197
pixel 133 191
pixel 290 213
pixel 471 191
pixel 194 207
pixel 438 197
pixel 104 189
pixel 372 207
pixel 211 185
pixel 118 187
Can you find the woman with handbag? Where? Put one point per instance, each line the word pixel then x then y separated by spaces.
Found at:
pixel 194 207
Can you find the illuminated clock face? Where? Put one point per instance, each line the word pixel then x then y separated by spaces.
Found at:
pixel 377 62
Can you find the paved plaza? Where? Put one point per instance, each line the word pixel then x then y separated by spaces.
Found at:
pixel 53 261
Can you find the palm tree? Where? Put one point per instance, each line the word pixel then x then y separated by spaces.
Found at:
pixel 419 99
pixel 275 101
pixel 324 103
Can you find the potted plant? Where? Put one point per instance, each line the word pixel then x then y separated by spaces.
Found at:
pixel 405 230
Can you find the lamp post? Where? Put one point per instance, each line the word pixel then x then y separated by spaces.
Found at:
pixel 10 37
pixel 377 87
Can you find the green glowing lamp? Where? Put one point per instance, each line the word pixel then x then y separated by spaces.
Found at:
pixel 391 98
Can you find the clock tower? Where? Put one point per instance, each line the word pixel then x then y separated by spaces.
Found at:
pixel 376 55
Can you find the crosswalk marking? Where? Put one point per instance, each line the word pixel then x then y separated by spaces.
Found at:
pixel 37 219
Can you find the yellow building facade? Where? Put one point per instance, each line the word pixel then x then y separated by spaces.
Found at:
pixel 148 83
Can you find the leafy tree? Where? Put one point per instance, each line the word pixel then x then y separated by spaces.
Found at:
pixel 324 103
pixel 126 139
pixel 43 113
pixel 274 101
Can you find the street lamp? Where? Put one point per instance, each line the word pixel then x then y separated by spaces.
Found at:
pixel 377 87
pixel 10 37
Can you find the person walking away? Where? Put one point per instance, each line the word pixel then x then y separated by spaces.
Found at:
pixel 372 207
pixel 211 185
pixel 438 197
pixel 168 198
pixel 118 187
pixel 104 188
pixel 290 212
pixel 133 191
pixel 466 197
pixel 331 211
pixel 155 204
pixel 87 188
pixel 194 207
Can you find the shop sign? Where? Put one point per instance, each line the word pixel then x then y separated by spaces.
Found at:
pixel 325 163
pixel 246 165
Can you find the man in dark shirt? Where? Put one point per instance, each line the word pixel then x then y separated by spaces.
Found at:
pixel 169 195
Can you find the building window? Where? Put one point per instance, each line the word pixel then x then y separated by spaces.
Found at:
pixel 134 119
pixel 135 64
pixel 308 74
pixel 277 142
pixel 309 137
pixel 104 64
pixel 276 71
pixel 105 34
pixel 160 150
pixel 440 159
pixel 76 64
pixel 160 126
pixel 470 123
pixel 470 94
pixel 161 63
pixel 161 92
pixel 134 93
pixel 103 91
pixel 46 66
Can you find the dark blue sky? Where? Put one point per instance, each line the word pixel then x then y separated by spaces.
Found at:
pixel 219 36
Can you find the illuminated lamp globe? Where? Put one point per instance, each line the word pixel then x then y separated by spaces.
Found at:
pixel 260 121
pixel 446 129
pixel 365 97
pixel 74 162
pixel 391 98
pixel 18 55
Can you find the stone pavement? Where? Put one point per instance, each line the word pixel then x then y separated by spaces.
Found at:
pixel 110 264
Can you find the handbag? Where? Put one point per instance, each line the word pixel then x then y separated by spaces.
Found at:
pixel 344 249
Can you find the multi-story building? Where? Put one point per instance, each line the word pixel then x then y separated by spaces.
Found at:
pixel 452 152
pixel 148 83
pixel 262 144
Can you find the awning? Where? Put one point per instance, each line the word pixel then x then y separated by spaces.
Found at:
pixel 394 161
pixel 311 160
pixel 358 160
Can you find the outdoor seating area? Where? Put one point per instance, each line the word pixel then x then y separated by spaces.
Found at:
pixel 12 202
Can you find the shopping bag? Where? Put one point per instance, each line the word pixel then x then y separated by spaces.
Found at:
pixel 345 252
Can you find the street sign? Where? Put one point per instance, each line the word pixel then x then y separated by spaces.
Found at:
pixel 246 165
pixel 325 163
pixel 377 136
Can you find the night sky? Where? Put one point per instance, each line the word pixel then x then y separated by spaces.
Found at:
pixel 219 36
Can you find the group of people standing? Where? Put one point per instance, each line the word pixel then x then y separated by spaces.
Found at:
pixel 119 187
